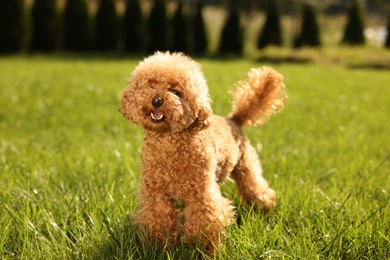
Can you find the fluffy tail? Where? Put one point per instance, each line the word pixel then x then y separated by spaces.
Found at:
pixel 258 97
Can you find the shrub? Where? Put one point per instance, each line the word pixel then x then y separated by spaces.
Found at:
pixel 387 43
pixel 310 33
pixel 158 27
pixel 12 26
pixel 133 27
pixel 200 41
pixel 45 31
pixel 76 32
pixel 106 26
pixel 271 32
pixel 180 30
pixel 354 30
pixel 232 36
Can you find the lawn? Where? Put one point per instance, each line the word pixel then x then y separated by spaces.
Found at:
pixel 69 163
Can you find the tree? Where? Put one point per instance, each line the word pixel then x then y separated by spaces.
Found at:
pixel 12 26
pixel 158 27
pixel 200 41
pixel 271 32
pixel 310 34
pixel 354 30
pixel 45 31
pixel 387 43
pixel 133 27
pixel 106 26
pixel 76 31
pixel 232 36
pixel 180 30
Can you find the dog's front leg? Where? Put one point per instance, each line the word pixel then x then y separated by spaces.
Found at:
pixel 206 214
pixel 155 219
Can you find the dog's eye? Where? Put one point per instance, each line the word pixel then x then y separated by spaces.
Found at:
pixel 176 92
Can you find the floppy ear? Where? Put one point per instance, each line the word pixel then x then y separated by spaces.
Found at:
pixel 202 101
pixel 203 115
pixel 124 107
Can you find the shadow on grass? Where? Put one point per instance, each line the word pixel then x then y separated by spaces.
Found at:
pixel 372 66
pixel 124 243
pixel 284 60
pixel 88 56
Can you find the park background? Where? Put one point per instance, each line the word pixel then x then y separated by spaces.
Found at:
pixel 195 27
pixel 70 163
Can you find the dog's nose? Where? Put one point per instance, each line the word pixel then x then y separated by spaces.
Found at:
pixel 157 101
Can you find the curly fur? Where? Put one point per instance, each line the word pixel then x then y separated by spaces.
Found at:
pixel 188 150
pixel 258 97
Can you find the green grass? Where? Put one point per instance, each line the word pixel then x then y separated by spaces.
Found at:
pixel 69 163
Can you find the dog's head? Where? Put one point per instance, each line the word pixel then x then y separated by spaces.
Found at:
pixel 167 93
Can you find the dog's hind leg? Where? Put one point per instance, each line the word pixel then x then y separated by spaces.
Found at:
pixel 252 186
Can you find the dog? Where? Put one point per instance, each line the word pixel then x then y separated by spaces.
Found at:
pixel 188 151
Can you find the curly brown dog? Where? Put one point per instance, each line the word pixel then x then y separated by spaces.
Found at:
pixel 188 151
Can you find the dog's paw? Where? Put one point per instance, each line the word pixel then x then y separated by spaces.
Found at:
pixel 268 200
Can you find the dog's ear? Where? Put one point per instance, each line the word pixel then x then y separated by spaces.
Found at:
pixel 124 107
pixel 203 115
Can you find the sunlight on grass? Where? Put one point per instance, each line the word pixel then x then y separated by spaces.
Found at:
pixel 69 162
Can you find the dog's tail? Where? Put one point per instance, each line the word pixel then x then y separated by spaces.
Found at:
pixel 258 97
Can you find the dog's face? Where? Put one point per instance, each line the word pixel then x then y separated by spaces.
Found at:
pixel 167 93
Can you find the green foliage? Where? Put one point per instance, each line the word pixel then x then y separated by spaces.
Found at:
pixel 158 27
pixel 45 31
pixel 180 30
pixel 133 25
pixel 232 36
pixel 271 32
pixel 354 30
pixel 12 26
pixel 106 26
pixel 200 40
pixel 76 22
pixel 387 43
pixel 310 32
pixel 70 163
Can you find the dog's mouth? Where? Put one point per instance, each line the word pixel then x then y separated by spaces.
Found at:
pixel 157 116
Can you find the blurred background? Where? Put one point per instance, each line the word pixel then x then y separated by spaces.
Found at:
pixel 197 27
